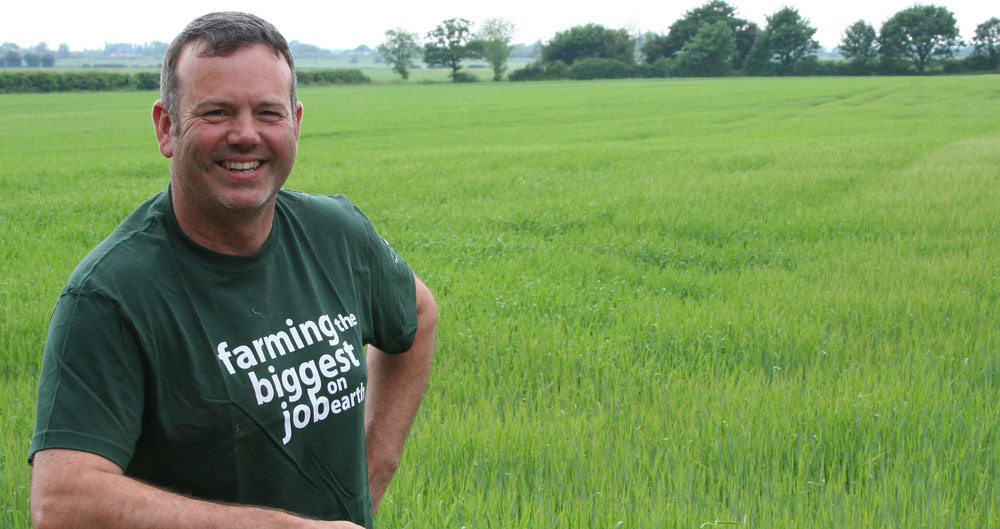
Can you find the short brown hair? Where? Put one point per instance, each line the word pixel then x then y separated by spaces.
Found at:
pixel 222 34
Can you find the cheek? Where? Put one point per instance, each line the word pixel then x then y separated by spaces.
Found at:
pixel 201 141
pixel 283 142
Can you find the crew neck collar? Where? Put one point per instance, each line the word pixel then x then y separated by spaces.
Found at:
pixel 211 257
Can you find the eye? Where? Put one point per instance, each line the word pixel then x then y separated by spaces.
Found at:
pixel 270 115
pixel 213 114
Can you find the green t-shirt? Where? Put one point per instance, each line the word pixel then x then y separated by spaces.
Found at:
pixel 230 378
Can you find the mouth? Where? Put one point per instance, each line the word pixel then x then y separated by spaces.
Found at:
pixel 240 167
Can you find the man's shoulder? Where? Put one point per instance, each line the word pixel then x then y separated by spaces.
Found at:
pixel 322 210
pixel 129 253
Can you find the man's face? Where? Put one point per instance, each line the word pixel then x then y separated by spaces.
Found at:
pixel 234 141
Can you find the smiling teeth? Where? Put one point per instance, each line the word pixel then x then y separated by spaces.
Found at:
pixel 241 166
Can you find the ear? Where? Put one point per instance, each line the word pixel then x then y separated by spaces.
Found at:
pixel 162 124
pixel 298 118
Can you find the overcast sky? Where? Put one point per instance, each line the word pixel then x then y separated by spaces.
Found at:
pixel 345 25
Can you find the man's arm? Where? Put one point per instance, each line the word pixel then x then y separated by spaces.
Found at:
pixel 396 385
pixel 82 490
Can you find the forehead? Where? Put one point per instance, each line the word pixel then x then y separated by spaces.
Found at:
pixel 254 69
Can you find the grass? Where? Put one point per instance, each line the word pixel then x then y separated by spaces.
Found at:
pixel 665 303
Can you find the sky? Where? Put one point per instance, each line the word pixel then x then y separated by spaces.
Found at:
pixel 346 25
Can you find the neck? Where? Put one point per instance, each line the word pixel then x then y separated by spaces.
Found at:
pixel 230 232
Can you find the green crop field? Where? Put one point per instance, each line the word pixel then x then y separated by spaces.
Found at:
pixel 688 303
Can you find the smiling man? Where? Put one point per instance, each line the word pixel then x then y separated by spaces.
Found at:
pixel 206 364
pixel 231 137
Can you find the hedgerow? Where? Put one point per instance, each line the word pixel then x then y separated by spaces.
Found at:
pixel 25 81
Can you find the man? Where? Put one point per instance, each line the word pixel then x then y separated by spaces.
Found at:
pixel 204 365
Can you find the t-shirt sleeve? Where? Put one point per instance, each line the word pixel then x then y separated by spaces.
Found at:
pixel 393 294
pixel 90 393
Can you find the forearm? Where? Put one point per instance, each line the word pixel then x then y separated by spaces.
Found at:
pixel 396 386
pixel 73 489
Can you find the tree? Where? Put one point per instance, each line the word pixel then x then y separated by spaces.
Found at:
pixel 685 28
pixel 746 37
pixel 32 59
pixel 987 42
pixel 656 47
pixel 619 45
pixel 858 42
pixel 494 39
pixel 919 33
pixel 12 59
pixel 784 43
pixel 590 41
pixel 399 49
pixel 449 44
pixel 710 52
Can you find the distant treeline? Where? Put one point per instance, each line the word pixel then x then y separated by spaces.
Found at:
pixel 13 56
pixel 707 41
pixel 24 81
pixel 711 40
pixel 601 68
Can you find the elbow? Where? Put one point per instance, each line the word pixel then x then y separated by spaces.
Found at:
pixel 387 465
pixel 428 318
pixel 46 513
pixel 427 309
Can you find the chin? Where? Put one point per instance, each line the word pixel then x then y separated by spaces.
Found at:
pixel 247 201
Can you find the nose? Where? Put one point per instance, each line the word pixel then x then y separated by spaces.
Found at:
pixel 243 131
